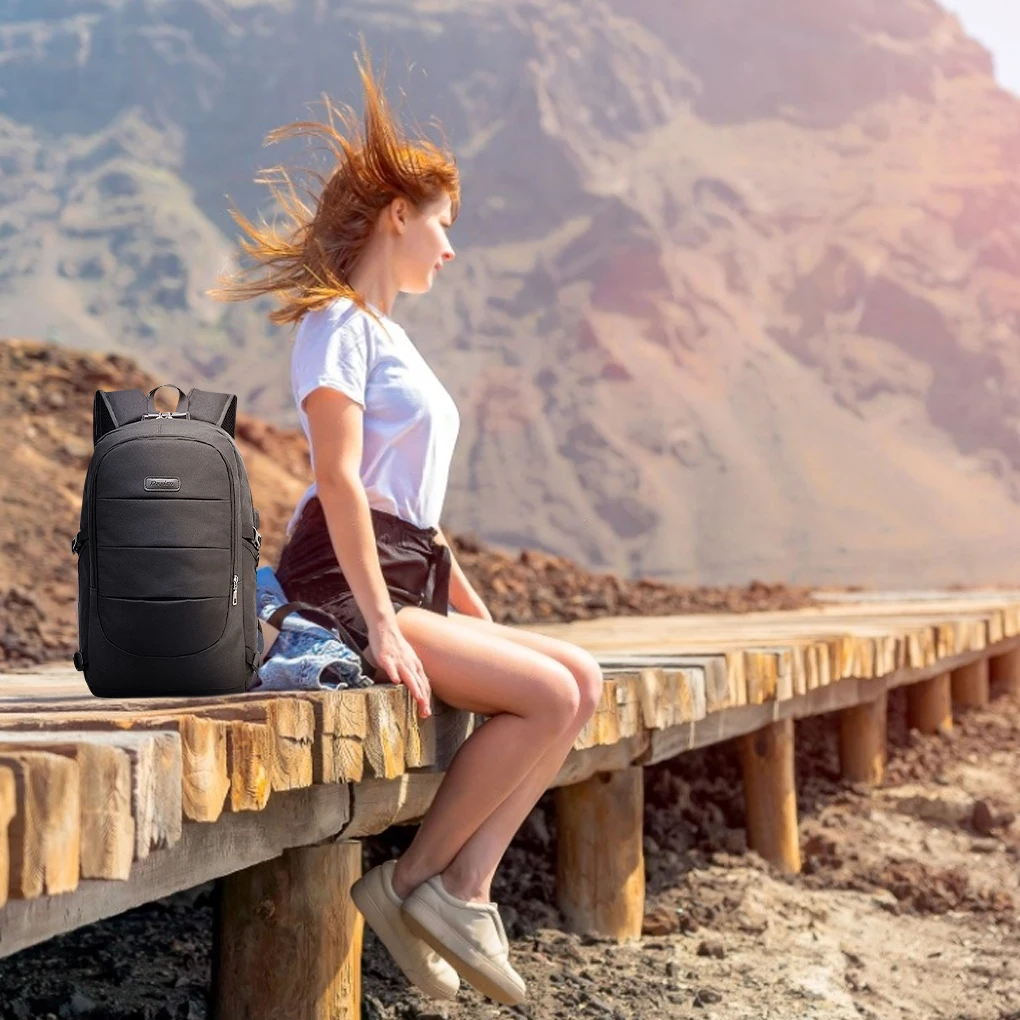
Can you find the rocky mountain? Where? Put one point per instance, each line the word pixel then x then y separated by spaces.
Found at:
pixel 738 280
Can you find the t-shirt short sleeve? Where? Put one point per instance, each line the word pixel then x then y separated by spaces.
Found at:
pixel 334 355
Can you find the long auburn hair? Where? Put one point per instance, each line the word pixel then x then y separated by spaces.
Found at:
pixel 308 263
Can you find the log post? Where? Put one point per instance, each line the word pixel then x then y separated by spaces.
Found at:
pixel 862 734
pixel 600 864
pixel 930 705
pixel 1004 674
pixel 770 794
pixel 970 684
pixel 288 938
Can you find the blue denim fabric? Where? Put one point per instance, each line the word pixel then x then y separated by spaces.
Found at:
pixel 305 656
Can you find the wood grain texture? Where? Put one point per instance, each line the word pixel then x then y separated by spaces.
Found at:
pixel 107 824
pixel 970 684
pixel 770 794
pixel 930 705
pixel 1004 674
pixel 8 807
pixel 862 741
pixel 288 937
pixel 45 832
pixel 600 879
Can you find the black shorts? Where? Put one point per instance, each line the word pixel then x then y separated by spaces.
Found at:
pixel 415 566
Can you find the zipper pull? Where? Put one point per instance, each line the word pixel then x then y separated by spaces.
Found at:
pixel 233 601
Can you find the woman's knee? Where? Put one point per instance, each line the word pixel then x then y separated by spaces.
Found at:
pixel 588 677
pixel 560 699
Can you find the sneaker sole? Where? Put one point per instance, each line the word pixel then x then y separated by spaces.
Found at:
pixel 482 980
pixel 375 918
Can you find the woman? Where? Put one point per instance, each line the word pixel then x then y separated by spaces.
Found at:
pixel 364 542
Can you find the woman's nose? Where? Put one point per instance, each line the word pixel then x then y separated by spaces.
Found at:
pixel 449 255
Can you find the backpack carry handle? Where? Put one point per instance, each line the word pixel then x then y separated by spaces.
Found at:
pixel 113 408
pixel 182 400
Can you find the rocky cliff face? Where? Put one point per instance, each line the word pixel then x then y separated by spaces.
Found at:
pixel 738 281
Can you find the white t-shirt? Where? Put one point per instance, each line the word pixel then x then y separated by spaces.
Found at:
pixel 410 421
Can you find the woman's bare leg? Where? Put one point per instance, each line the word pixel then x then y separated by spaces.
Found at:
pixel 469 874
pixel 531 699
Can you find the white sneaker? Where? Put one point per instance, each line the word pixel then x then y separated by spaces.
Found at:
pixel 470 936
pixel 373 895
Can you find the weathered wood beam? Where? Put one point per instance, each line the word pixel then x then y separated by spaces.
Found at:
pixel 930 705
pixel 204 852
pixel 600 866
pixel 288 937
pixel 770 794
pixel 862 741
pixel 1004 674
pixel 970 684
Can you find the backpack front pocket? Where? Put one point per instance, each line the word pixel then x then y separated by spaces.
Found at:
pixel 163 627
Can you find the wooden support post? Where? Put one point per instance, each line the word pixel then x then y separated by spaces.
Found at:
pixel 930 705
pixel 600 863
pixel 970 684
pixel 1004 674
pixel 770 794
pixel 288 938
pixel 862 733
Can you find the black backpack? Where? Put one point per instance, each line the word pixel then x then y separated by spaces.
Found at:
pixel 167 551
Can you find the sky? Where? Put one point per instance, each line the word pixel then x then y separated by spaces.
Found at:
pixel 996 23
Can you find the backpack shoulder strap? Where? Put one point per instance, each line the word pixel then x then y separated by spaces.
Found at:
pixel 216 408
pixel 113 408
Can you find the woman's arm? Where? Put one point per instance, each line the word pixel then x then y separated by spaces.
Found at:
pixel 336 428
pixel 463 596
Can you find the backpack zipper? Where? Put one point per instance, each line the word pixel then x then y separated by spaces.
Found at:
pixel 233 601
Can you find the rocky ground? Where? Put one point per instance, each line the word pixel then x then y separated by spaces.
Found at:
pixel 907 907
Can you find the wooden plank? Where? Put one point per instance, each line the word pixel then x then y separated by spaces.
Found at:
pixel 107 826
pixel 385 732
pixel 287 765
pixel 250 761
pixel 45 832
pixel 583 763
pixel 156 795
pixel 204 777
pixel 341 723
pixel 378 803
pixel 292 724
pixel 419 735
pixel 288 943
pixel 452 728
pixel 718 727
pixel 8 807
pixel 204 852
pixel 603 726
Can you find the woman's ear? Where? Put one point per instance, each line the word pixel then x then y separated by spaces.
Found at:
pixel 398 214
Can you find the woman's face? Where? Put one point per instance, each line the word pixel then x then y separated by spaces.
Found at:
pixel 423 247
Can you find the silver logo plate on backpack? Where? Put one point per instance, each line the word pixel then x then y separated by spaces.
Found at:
pixel 162 484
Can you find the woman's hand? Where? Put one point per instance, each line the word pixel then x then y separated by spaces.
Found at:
pixel 399 661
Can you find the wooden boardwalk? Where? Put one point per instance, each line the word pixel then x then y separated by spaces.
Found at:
pixel 108 804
